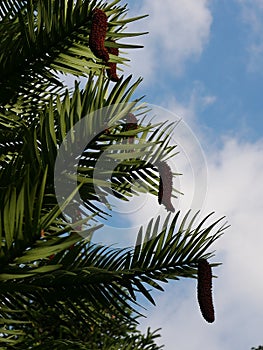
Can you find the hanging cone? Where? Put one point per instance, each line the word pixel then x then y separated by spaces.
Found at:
pixel 131 124
pixel 98 32
pixel 165 186
pixel 112 70
pixel 204 290
pixel 131 121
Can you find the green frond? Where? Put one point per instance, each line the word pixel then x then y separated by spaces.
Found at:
pixel 52 36
pixel 10 8
pixel 64 153
pixel 168 251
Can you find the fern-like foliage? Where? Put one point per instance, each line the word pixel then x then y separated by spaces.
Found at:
pixel 46 37
pixel 108 278
pixel 57 288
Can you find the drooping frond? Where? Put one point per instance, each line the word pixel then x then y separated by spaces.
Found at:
pixel 26 211
pixel 52 36
pixel 34 149
pixel 134 340
pixel 168 251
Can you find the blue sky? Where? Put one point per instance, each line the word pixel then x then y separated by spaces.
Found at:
pixel 222 68
pixel 203 61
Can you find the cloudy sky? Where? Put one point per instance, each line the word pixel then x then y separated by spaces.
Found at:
pixel 203 61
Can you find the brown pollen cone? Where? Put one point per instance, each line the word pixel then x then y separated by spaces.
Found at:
pixel 204 290
pixel 165 186
pixel 131 124
pixel 112 70
pixel 131 121
pixel 98 32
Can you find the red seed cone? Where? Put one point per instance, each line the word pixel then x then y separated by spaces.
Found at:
pixel 112 70
pixel 98 32
pixel 204 290
pixel 165 186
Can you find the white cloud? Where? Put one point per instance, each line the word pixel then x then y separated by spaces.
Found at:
pixel 235 190
pixel 198 99
pixel 190 162
pixel 208 100
pixel 178 31
pixel 252 12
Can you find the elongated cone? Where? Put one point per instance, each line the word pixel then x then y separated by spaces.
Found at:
pixel 112 70
pixel 131 124
pixel 98 32
pixel 204 290
pixel 165 186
